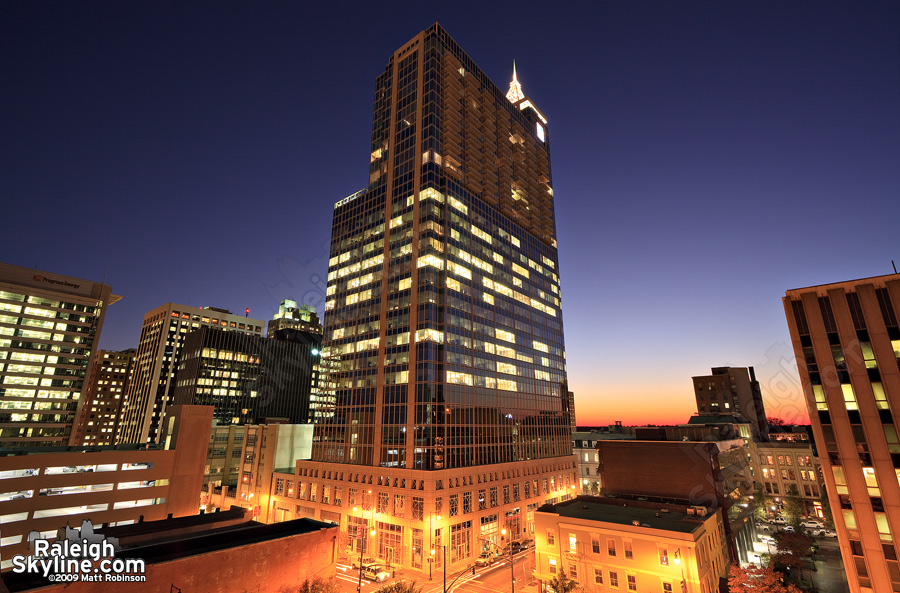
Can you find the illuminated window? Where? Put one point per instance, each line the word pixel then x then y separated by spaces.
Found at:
pixel 573 543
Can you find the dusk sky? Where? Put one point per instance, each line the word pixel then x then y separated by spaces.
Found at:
pixel 707 156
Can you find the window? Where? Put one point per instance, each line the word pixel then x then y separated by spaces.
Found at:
pixel 553 566
pixel 667 587
pixel 629 553
pixel 595 544
pixel 632 582
pixel 613 579
pixel 573 542
pixel 573 571
pixel 598 575
pixel 664 556
pixel 551 537
pixel 611 547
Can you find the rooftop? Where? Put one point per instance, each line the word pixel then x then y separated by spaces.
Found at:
pixel 664 517
pixel 877 280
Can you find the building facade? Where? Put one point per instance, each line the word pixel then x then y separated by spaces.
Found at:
pixel 584 449
pixel 241 463
pixel 49 326
pixel 248 378
pixel 100 411
pixel 152 384
pixel 846 340
pixel 290 316
pixel 604 545
pixel 450 419
pixel 789 469
pixel 45 490
pixel 733 391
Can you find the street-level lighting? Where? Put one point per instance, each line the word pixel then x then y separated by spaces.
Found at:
pixel 678 561
pixel 431 542
pixel 512 570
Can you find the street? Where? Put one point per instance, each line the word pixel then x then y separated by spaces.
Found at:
pixel 487 579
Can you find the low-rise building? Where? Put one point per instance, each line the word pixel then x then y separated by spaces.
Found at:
pixel 241 462
pixel 610 543
pixel 43 490
pixel 207 554
pixel 790 468
pixel 584 449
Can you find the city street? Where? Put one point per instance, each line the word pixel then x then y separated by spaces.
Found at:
pixel 487 579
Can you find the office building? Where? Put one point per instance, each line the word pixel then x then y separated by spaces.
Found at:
pixel 606 545
pixel 733 391
pixel 49 326
pixel 450 418
pixel 46 489
pixel 248 378
pixel 100 409
pixel 290 316
pixel 152 384
pixel 846 340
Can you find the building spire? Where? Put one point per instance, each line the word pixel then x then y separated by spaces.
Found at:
pixel 515 94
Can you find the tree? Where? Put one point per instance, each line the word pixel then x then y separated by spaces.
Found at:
pixel 763 503
pixel 796 544
pixel 826 509
pixel 400 587
pixel 561 583
pixel 315 585
pixel 794 510
pixel 775 421
pixel 753 579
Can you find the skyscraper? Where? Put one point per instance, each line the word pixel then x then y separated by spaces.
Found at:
pixel 450 422
pixel 100 411
pixel 247 378
pixel 289 315
pixel 49 325
pixel 847 342
pixel 152 385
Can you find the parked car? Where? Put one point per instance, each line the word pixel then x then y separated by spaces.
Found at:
pixel 527 543
pixel 822 533
pixel 376 573
pixel 366 561
pixel 788 528
pixel 517 547
pixel 812 524
pixel 486 559
pixel 777 521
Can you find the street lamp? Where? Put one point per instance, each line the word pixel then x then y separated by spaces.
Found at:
pixel 678 562
pixel 512 570
pixel 431 542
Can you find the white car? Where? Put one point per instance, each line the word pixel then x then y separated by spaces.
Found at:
pixel 486 559
pixel 375 573
pixel 812 524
